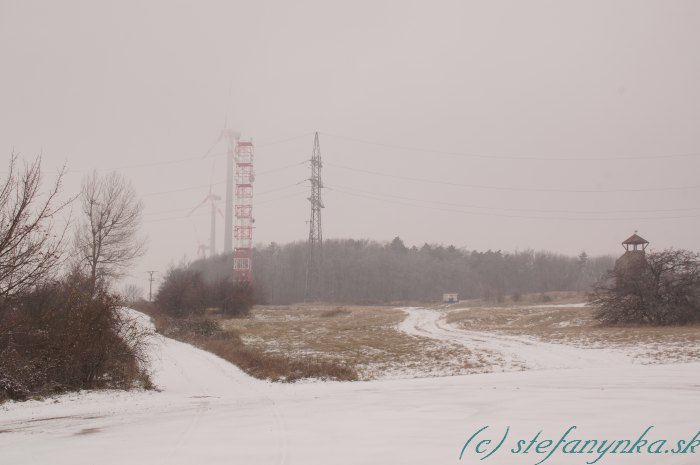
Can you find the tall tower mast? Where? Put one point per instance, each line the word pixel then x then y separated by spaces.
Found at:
pixel 315 244
pixel 231 137
pixel 243 212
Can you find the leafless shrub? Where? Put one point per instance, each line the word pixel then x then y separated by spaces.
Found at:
pixel 131 293
pixel 67 336
pixel 185 293
pixel 182 293
pixel 234 299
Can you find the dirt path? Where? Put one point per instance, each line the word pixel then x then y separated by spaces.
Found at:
pixel 507 353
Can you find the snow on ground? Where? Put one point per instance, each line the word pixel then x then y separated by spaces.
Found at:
pixel 507 353
pixel 209 412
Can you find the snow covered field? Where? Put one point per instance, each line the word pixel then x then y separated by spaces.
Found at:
pixel 209 412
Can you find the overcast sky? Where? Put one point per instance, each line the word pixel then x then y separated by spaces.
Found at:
pixel 555 125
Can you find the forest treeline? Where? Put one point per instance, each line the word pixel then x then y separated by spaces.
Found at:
pixel 365 271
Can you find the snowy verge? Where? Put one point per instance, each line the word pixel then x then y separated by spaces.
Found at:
pixel 209 412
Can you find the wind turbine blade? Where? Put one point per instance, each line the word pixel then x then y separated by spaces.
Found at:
pixel 195 208
pixel 220 212
pixel 218 139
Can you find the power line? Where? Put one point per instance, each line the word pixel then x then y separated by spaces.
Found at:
pixel 183 189
pixel 282 141
pixel 158 220
pixel 177 210
pixel 200 186
pixel 281 168
pixel 512 157
pixel 534 210
pixel 207 155
pixel 284 197
pixel 452 210
pixel 163 212
pixel 508 188
pixel 143 165
pixel 277 189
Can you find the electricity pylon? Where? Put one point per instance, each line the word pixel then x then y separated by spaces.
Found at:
pixel 315 245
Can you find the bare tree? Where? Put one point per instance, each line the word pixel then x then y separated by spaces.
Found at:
pixel 107 242
pixel 30 249
pixel 131 293
pixel 659 288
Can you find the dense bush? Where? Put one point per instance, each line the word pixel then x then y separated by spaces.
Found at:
pixel 661 288
pixel 182 293
pixel 62 336
pixel 185 292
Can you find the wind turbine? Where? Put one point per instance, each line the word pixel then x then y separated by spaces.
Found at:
pixel 213 199
pixel 201 248
pixel 231 137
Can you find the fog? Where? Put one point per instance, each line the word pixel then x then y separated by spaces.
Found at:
pixel 563 126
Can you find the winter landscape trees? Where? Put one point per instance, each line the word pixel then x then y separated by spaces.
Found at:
pixel 364 271
pixel 658 288
pixel 61 326
pixel 191 289
pixel 30 244
pixel 107 242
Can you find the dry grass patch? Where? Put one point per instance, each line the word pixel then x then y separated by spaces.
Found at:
pixel 208 334
pixel 338 311
pixel 363 337
pixel 577 326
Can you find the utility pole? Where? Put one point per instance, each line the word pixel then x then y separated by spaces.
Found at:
pixel 315 245
pixel 150 284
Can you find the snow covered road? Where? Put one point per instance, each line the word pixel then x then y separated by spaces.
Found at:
pixel 209 412
pixel 204 404
pixel 507 353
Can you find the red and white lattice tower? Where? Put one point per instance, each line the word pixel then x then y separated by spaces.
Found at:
pixel 243 213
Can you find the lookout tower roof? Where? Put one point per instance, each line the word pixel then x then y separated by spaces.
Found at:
pixel 635 242
pixel 634 239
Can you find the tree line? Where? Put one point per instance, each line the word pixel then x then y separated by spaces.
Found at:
pixel 366 271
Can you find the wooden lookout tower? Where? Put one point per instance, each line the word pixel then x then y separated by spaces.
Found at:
pixel 634 259
pixel 635 243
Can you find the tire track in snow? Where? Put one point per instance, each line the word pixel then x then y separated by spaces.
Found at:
pixel 283 441
pixel 216 395
pixel 514 352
